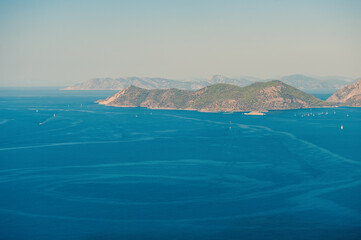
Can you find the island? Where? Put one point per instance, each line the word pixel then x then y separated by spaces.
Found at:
pixel 260 97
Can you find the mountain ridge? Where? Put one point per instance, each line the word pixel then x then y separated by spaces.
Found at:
pixel 299 81
pixel 122 83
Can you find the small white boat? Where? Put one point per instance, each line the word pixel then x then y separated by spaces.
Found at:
pixel 54 114
pixel 37 110
pixel 341 127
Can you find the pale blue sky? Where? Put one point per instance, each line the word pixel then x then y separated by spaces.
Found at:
pixel 57 43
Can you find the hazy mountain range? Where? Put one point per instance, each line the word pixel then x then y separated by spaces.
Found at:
pixel 122 83
pixel 259 96
pixel 299 81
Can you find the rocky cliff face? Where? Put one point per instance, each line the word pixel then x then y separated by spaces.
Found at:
pixel 348 96
pixel 218 97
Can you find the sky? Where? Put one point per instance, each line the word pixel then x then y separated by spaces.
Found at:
pixel 57 43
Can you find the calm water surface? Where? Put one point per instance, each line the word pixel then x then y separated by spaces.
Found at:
pixel 72 169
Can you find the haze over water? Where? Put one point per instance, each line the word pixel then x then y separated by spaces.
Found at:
pixel 95 172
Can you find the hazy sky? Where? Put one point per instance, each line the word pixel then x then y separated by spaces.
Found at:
pixel 64 42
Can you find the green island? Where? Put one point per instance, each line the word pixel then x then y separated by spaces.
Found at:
pixel 261 96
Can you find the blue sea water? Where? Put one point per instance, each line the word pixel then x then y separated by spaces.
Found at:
pixel 73 169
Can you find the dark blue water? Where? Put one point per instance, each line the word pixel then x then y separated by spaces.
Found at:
pixel 93 172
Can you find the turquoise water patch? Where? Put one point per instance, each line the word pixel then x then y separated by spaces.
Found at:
pixel 72 169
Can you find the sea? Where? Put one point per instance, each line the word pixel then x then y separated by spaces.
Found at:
pixel 73 169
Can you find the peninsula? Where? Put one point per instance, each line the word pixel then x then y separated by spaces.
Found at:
pixel 259 97
pixel 349 95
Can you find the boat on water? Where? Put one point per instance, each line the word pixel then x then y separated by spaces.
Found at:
pixel 341 127
pixel 255 113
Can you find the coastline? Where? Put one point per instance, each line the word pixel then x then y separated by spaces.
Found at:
pixel 247 112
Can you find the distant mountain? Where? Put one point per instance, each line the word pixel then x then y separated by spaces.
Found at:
pixel 299 81
pixel 219 97
pixel 122 83
pixel 305 82
pixel 238 81
pixel 348 96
